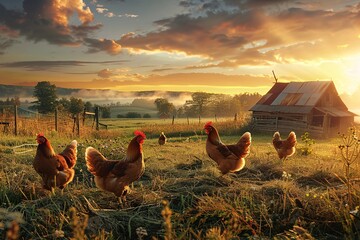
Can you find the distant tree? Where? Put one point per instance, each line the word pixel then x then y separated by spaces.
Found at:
pixel 133 115
pixel 222 105
pixel 146 115
pixel 76 105
pixel 6 107
pixel 105 112
pixel 120 116
pixel 143 103
pixel 63 104
pixel 198 104
pixel 180 112
pixel 88 106
pixel 247 100
pixel 164 107
pixel 46 97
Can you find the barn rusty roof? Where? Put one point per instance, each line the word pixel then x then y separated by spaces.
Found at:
pixel 293 94
pixel 298 97
pixel 335 112
pixel 301 93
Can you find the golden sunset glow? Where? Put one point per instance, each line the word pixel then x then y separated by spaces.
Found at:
pixel 219 46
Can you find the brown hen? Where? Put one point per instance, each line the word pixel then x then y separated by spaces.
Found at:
pixel 162 139
pixel 230 158
pixel 113 175
pixel 56 170
pixel 284 148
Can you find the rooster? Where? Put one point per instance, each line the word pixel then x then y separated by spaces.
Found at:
pixel 56 170
pixel 162 139
pixel 285 148
pixel 113 175
pixel 230 158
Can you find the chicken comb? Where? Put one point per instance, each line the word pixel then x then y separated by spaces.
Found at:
pixel 140 133
pixel 40 135
pixel 208 124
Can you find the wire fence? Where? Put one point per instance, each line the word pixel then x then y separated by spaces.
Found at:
pixel 20 121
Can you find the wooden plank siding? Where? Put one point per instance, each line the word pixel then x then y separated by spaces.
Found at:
pixel 271 122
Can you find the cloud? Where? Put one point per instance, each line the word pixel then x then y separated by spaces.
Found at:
pixel 107 45
pixel 101 9
pixel 109 15
pixel 46 65
pixel 252 32
pixel 128 15
pixel 49 20
pixel 105 73
pixel 6 43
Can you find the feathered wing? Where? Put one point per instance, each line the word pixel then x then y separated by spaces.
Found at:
pixel 70 154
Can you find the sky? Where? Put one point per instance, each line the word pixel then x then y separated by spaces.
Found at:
pixel 219 46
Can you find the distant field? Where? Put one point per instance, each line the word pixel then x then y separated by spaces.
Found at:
pixel 123 110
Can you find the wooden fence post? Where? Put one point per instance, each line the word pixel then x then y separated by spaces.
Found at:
pixel 215 118
pixel 16 120
pixel 56 119
pixel 199 119
pixel 97 117
pixel 78 124
pixel 235 117
pixel 173 119
pixel 187 117
pixel 84 114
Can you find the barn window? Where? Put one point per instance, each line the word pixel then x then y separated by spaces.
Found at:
pixel 317 121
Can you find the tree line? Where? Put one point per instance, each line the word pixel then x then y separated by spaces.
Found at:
pixel 208 104
pixel 47 101
pixel 201 104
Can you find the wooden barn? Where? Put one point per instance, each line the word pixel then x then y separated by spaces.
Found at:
pixel 313 107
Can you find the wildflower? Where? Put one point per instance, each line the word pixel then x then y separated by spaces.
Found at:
pixel 141 232
pixel 59 234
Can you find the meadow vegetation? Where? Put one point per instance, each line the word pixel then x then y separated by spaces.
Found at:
pixel 182 194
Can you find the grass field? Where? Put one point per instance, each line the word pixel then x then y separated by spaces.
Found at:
pixel 123 110
pixel 182 194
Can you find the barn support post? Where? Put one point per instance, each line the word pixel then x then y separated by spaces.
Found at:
pixel 16 119
pixel 56 119
pixel 97 118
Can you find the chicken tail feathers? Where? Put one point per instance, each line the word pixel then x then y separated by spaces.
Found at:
pixel 292 139
pixel 96 163
pixel 245 142
pixel 70 154
pixel 245 138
